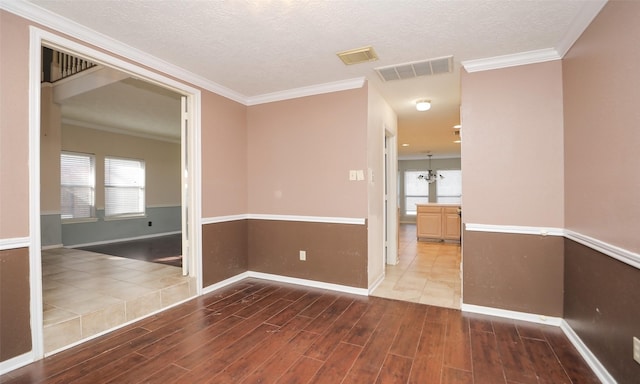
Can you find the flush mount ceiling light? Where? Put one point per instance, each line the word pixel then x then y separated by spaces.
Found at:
pixel 423 105
pixel 358 55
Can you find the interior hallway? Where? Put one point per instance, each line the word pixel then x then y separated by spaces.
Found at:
pixel 85 293
pixel 427 272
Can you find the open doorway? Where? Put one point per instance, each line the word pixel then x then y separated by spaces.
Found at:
pixel 428 264
pixel 147 205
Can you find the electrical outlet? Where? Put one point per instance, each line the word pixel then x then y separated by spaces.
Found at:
pixel 149 224
pixel 303 255
pixel 636 350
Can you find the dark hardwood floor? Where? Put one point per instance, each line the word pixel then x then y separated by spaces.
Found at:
pixel 162 249
pixel 256 331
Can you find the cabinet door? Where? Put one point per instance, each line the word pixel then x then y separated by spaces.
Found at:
pixel 429 224
pixel 451 222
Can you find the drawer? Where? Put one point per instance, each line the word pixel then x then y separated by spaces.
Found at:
pixel 428 209
pixel 451 210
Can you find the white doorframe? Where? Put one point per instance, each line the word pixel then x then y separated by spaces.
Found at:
pixel 391 197
pixel 37 38
pixel 185 119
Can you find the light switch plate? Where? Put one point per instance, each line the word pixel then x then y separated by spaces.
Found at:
pixel 360 174
pixel 352 175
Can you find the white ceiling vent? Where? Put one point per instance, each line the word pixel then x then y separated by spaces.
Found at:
pixel 416 69
pixel 359 55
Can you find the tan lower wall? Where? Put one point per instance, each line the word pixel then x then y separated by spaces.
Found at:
pixel 515 272
pixel 15 329
pixel 336 253
pixel 224 251
pixel 602 305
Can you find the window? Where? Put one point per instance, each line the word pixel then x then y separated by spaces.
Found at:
pixel 77 185
pixel 449 188
pixel 416 191
pixel 124 181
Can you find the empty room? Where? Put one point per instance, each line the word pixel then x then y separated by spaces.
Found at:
pixel 341 191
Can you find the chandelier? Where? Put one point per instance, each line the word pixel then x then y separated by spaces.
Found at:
pixel 431 176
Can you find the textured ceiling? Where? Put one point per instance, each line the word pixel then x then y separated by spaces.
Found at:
pixel 258 47
pixel 128 105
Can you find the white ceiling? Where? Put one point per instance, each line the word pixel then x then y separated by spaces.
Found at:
pixel 129 106
pixel 259 47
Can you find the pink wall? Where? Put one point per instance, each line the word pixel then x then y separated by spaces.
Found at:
pixel 301 151
pixel 602 134
pixel 223 136
pixel 14 126
pixel 224 156
pixel 512 146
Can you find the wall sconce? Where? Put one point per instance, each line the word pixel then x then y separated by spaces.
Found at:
pixel 423 105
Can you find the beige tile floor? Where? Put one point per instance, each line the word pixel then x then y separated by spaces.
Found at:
pixel 427 272
pixel 85 293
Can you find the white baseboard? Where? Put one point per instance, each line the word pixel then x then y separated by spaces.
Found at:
pixel 575 340
pixel 310 283
pixel 53 246
pixel 125 239
pixel 16 362
pixel 224 283
pixel 376 283
pixel 531 317
pixel 586 354
pixel 289 280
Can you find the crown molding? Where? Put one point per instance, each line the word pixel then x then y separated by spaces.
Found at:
pixel 120 131
pixel 318 89
pixel 513 60
pixel 589 11
pixel 60 24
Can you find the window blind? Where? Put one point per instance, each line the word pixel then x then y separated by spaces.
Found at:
pixel 77 185
pixel 416 191
pixel 449 188
pixel 124 182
